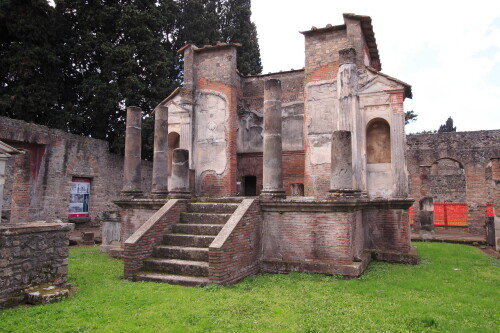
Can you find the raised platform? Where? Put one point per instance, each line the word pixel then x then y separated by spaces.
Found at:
pixel 449 236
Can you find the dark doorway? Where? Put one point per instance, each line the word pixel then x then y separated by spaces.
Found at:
pixel 250 185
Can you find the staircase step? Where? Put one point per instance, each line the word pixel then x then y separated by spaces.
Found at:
pixel 181 252
pixel 221 199
pixel 177 266
pixel 204 218
pixel 197 229
pixel 188 240
pixel 211 207
pixel 181 280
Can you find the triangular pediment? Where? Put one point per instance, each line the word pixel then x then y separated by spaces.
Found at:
pixel 377 83
pixel 372 81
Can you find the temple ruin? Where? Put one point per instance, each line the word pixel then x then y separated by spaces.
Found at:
pixel 304 170
pixel 331 134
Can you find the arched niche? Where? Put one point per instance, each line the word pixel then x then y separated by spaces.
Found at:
pixel 447 167
pixel 378 141
pixel 448 182
pixel 173 142
pixel 379 178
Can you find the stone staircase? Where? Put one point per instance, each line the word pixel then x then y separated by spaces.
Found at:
pixel 183 257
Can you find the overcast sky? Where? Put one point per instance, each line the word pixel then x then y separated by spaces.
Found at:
pixel 447 51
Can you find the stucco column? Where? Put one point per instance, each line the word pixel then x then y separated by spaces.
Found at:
pixel 398 155
pixel 341 175
pixel 179 183
pixel 160 158
pixel 272 155
pixel 132 161
pixel 426 216
pixel 495 175
pixel 425 190
pixel 349 115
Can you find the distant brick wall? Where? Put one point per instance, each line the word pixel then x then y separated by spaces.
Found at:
pixel 141 244
pixel 472 150
pixel 235 253
pixel 56 157
pixel 448 188
pixel 31 255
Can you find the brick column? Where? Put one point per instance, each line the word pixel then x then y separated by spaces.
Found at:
pixel 179 183
pixel 495 175
pixel 3 160
pixel 132 161
pixel 160 159
pixel 20 204
pixel 272 154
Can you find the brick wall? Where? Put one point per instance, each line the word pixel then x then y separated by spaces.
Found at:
pixel 31 255
pixel 321 53
pixel 317 179
pixel 235 253
pixel 293 168
pixel 321 64
pixel 387 229
pixel 141 244
pixel 448 188
pixel 473 151
pixel 21 189
pixel 308 236
pixel 56 157
pixel 215 70
pixel 292 89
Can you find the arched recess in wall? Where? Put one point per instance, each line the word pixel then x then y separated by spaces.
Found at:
pixel 378 141
pixel 173 142
pixel 448 181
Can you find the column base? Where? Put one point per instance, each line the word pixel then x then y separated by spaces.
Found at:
pixel 273 194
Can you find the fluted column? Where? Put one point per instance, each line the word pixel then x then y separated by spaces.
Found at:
pixel 272 154
pixel 160 158
pixel 132 161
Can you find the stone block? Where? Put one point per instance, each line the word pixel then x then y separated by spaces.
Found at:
pixel 46 295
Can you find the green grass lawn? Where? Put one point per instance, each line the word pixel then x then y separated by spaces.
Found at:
pixel 456 288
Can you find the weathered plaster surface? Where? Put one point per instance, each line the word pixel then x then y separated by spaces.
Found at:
pixel 211 117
